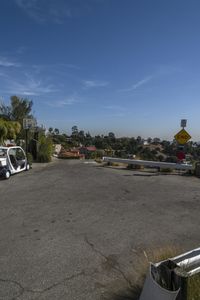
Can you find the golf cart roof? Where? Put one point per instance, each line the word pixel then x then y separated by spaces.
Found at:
pixel 10 147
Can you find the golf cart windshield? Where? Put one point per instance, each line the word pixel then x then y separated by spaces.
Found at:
pixel 2 152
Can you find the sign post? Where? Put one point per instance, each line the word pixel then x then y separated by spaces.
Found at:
pixel 182 137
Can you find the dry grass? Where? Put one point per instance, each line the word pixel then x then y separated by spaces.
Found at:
pixel 116 164
pixel 193 287
pixel 154 255
pixel 98 160
pixel 141 268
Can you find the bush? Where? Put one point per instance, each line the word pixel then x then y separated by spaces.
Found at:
pixel 30 158
pixel 172 159
pixel 98 160
pixel 45 149
pixel 135 167
pixel 166 170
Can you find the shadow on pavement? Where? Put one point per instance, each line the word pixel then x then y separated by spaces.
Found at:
pixel 128 294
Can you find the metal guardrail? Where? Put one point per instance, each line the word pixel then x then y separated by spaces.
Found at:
pixel 174 278
pixel 156 164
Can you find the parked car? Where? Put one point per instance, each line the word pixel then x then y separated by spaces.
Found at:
pixel 12 160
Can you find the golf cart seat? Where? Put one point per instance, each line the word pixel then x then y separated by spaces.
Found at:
pixel 13 161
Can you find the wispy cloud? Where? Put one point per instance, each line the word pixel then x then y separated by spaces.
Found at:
pixel 45 11
pixel 94 83
pixel 115 111
pixel 37 80
pixel 4 75
pixel 71 66
pixel 42 11
pixel 114 107
pixel 27 87
pixel 138 84
pixel 68 101
pixel 55 66
pixel 5 62
pixel 20 50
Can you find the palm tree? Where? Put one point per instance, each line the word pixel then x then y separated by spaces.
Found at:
pixel 8 130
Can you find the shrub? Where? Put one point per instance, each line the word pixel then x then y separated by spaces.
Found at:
pixel 45 149
pixel 30 158
pixel 172 159
pixel 166 170
pixel 135 167
pixel 98 160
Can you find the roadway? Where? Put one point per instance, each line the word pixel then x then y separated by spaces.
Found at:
pixel 73 230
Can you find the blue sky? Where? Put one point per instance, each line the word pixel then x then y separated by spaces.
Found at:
pixel 127 66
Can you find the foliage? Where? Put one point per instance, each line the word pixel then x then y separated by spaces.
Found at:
pixel 172 159
pixel 45 149
pixel 166 170
pixel 19 109
pixel 56 131
pixel 8 130
pixel 50 129
pixel 126 147
pixel 30 158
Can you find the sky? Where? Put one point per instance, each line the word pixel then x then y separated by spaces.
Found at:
pixel 131 67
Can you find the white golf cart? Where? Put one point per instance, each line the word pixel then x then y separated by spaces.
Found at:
pixel 12 160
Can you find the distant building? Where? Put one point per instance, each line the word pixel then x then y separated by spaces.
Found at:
pixel 145 142
pixel 87 150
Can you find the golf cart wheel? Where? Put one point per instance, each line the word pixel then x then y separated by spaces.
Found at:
pixel 27 167
pixel 7 174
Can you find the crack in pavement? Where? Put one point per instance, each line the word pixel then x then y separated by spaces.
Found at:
pixel 23 289
pixel 116 268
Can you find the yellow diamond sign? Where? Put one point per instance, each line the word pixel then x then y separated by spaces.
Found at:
pixel 182 137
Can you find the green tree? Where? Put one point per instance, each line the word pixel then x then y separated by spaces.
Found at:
pixel 3 131
pixel 111 135
pixel 20 109
pixel 50 130
pixel 74 130
pixel 8 130
pixel 5 112
pixel 45 149
pixel 56 131
pixel 81 136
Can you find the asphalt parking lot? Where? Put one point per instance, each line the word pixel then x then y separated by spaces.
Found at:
pixel 74 230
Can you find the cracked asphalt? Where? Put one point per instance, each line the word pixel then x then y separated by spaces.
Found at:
pixel 75 230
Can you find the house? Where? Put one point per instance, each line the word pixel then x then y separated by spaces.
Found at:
pixel 72 153
pixel 87 151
